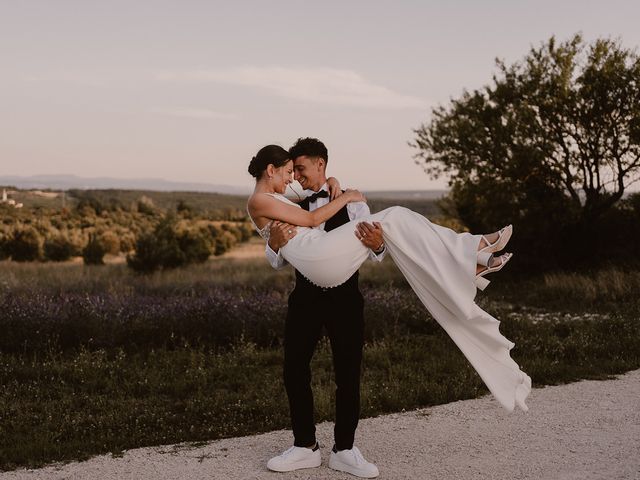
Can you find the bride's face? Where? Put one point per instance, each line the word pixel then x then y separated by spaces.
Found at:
pixel 282 177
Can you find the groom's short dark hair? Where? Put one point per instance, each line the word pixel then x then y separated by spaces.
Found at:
pixel 309 147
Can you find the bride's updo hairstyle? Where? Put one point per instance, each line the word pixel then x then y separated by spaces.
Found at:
pixel 270 155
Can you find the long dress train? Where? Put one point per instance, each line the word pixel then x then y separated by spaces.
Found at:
pixel 440 266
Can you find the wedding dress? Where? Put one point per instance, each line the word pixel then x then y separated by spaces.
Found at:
pixel 440 266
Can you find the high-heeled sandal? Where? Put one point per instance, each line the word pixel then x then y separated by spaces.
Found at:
pixel 487 259
pixel 504 234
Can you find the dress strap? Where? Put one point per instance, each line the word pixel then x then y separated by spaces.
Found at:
pixel 282 198
pixel 264 232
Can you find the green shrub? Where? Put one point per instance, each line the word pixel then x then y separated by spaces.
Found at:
pixel 90 206
pixel 78 239
pixel 233 230
pixel 58 248
pixel 25 245
pixel 168 247
pixel 127 242
pixel 94 252
pixel 146 257
pixel 146 205
pixel 110 242
pixel 4 241
pixel 224 242
pixel 246 230
pixel 196 244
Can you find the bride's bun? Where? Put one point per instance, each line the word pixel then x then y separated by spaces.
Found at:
pixel 270 155
pixel 253 168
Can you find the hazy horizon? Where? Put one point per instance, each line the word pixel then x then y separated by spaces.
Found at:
pixel 189 92
pixel 59 182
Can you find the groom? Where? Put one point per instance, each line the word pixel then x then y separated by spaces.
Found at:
pixel 340 311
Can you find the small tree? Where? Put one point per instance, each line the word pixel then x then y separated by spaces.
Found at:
pixel 146 206
pixel 146 257
pixel 94 252
pixel 25 245
pixel 58 248
pixel 4 242
pixel 224 242
pixel 110 242
pixel 168 247
pixel 247 231
pixel 127 241
pixel 196 243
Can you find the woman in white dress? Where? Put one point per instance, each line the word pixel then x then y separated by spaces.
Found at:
pixel 444 268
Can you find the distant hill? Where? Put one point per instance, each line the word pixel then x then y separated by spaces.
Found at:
pixel 67 182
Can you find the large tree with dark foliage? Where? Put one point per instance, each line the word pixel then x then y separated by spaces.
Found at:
pixel 167 247
pixel 552 144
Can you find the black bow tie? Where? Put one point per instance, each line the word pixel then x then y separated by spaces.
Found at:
pixel 315 196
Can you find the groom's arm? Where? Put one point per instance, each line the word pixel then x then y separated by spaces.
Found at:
pixel 279 236
pixel 373 238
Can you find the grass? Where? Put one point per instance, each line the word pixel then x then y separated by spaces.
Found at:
pixel 611 284
pixel 70 406
pixel 118 278
pixel 98 359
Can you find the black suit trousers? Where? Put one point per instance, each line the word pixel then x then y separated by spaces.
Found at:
pixel 339 311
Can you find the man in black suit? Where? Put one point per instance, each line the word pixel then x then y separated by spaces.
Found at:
pixel 340 311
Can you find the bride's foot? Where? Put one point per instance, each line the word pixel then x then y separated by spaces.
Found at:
pixel 496 241
pixel 488 239
pixel 488 263
pixel 493 264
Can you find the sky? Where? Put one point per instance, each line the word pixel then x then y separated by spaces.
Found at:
pixel 190 90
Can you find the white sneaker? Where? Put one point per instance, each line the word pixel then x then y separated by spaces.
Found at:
pixel 295 458
pixel 352 461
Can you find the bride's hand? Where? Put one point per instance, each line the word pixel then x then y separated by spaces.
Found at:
pixel 355 195
pixel 334 188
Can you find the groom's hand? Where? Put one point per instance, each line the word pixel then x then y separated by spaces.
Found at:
pixel 370 236
pixel 279 234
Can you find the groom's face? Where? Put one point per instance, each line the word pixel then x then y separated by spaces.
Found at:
pixel 309 172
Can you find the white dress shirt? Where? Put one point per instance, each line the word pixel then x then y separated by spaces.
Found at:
pixel 355 210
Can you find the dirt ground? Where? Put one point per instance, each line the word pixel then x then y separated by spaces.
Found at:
pixel 585 430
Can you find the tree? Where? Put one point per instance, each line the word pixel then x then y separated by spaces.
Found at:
pixel 58 248
pixel 25 245
pixel 146 205
pixel 93 253
pixel 553 142
pixel 167 246
pixel 4 242
pixel 110 242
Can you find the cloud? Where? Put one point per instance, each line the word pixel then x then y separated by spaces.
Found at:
pixel 198 113
pixel 314 85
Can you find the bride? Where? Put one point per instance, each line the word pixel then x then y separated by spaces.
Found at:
pixel 444 268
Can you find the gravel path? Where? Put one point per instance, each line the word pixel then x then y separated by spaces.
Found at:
pixel 585 430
